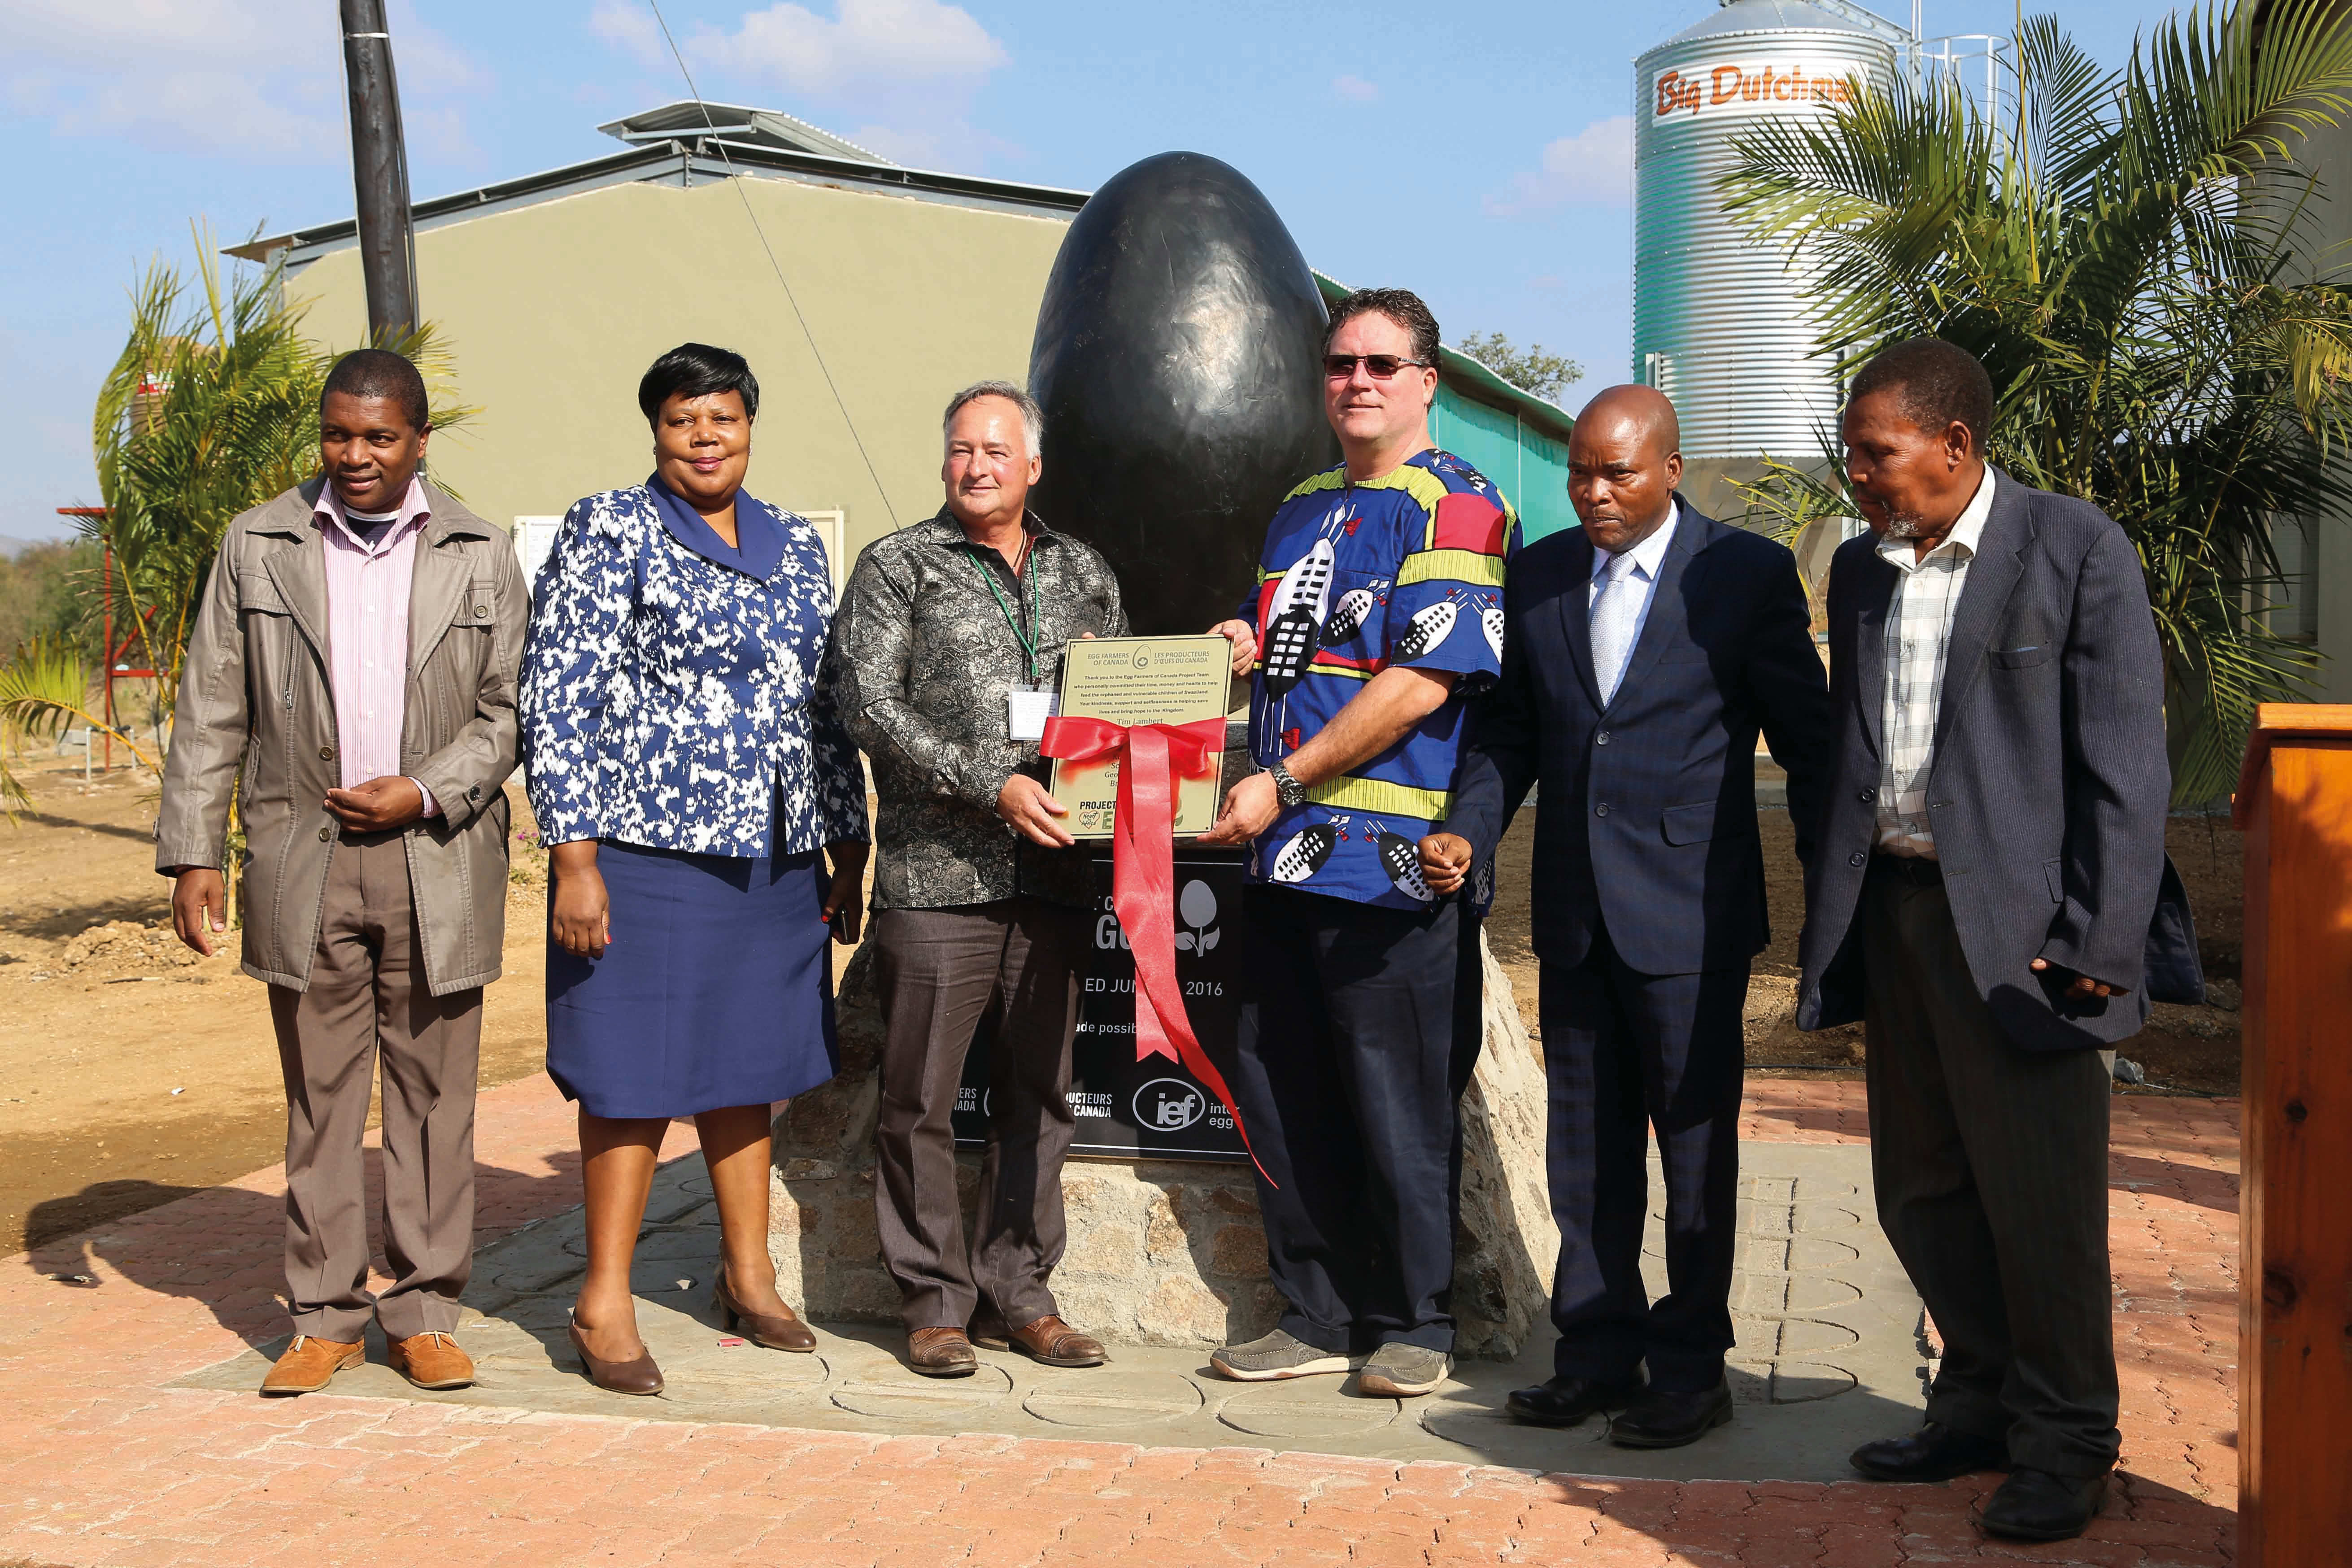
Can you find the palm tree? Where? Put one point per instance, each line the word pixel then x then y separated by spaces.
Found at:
pixel 43 687
pixel 211 409
pixel 2124 252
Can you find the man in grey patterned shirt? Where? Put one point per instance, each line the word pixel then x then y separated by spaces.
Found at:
pixel 948 637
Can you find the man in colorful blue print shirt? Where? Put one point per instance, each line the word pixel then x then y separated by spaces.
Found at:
pixel 1379 611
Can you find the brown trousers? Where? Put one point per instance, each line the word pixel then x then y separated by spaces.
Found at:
pixel 939 971
pixel 368 997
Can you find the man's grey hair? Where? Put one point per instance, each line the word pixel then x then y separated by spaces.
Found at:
pixel 1033 419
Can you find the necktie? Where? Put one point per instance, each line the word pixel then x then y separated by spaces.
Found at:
pixel 1616 610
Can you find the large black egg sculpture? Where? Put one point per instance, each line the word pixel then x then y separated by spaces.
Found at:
pixel 1179 360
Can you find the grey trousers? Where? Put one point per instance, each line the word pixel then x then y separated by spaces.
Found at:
pixel 1014 961
pixel 368 1000
pixel 1990 1165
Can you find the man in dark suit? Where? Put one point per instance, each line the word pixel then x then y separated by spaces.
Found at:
pixel 1642 654
pixel 1985 870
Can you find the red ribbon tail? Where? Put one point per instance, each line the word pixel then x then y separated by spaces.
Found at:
pixel 1143 891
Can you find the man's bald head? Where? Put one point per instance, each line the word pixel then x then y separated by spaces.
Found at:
pixel 1624 460
pixel 1647 411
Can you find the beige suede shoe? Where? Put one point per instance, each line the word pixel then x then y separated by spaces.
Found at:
pixel 432 1361
pixel 309 1364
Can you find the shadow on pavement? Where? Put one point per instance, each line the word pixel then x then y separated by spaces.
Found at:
pixel 220 1245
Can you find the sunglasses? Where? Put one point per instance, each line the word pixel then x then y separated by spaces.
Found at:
pixel 1380 367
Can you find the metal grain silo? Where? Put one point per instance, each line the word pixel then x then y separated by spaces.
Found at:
pixel 1720 320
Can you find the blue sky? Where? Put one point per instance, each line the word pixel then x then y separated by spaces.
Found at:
pixel 1476 152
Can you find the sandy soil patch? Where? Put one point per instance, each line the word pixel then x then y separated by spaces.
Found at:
pixel 131 1071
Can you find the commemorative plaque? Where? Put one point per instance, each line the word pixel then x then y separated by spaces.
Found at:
pixel 1139 681
pixel 1159 990
pixel 1154 1109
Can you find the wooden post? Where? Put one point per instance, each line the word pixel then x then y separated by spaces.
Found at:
pixel 2294 1288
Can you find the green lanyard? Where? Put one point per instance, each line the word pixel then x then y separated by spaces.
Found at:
pixel 1027 647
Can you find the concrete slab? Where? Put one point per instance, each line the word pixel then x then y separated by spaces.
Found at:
pixel 1830 1354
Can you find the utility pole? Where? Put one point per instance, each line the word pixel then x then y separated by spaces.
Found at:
pixel 380 172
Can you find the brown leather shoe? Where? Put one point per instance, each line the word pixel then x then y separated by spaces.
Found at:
pixel 638 1377
pixel 432 1359
pixel 941 1353
pixel 784 1333
pixel 309 1364
pixel 1048 1342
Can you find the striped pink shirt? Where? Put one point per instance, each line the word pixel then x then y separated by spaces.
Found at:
pixel 367 635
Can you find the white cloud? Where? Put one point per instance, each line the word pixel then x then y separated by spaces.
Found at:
pixel 1354 89
pixel 629 25
pixel 865 47
pixel 1595 165
pixel 214 111
pixel 908 69
pixel 76 32
pixel 239 77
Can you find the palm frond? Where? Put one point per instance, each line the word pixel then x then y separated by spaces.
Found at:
pixel 2127 259
pixel 44 687
pixel 211 409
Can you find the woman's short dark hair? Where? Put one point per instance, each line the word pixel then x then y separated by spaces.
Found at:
pixel 697 370
pixel 1401 306
pixel 1935 383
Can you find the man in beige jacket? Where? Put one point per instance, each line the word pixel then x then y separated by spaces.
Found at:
pixel 350 682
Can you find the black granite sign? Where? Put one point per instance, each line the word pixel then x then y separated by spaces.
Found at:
pixel 1149 1109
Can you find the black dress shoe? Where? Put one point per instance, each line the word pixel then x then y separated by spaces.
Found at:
pixel 1933 1453
pixel 1668 1419
pixel 1565 1401
pixel 2035 1505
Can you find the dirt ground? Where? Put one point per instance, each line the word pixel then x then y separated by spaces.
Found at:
pixel 132 1072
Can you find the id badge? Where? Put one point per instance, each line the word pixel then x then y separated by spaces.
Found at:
pixel 1026 709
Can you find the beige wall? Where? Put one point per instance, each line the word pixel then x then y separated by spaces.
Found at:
pixel 554 310
pixel 2327 230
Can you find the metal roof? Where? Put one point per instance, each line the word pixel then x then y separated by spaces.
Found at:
pixel 689 120
pixel 672 145
pixel 1785 15
pixel 675 163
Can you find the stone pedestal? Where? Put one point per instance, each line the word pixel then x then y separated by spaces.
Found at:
pixel 1165 1252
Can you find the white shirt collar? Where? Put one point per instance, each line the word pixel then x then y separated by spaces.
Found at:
pixel 1651 553
pixel 1961 541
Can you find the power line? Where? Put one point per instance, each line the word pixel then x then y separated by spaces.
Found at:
pixel 736 178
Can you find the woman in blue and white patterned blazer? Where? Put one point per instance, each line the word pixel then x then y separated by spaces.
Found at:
pixel 686 767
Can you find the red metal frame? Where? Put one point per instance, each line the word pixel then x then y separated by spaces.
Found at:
pixel 116 669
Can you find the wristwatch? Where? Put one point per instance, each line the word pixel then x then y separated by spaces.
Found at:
pixel 1288 791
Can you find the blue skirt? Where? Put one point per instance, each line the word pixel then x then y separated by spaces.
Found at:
pixel 716 989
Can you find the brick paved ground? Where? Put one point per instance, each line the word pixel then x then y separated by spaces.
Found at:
pixel 99 1465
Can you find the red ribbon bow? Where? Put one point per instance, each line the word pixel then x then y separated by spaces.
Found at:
pixel 1152 757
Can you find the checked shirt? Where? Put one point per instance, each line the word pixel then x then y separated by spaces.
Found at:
pixel 1918 634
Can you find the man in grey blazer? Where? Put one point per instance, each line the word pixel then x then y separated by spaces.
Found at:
pixel 1985 866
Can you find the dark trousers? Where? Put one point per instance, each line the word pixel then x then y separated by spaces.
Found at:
pixel 1990 1165
pixel 367 1004
pixel 1624 1052
pixel 1356 1041
pixel 1014 962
